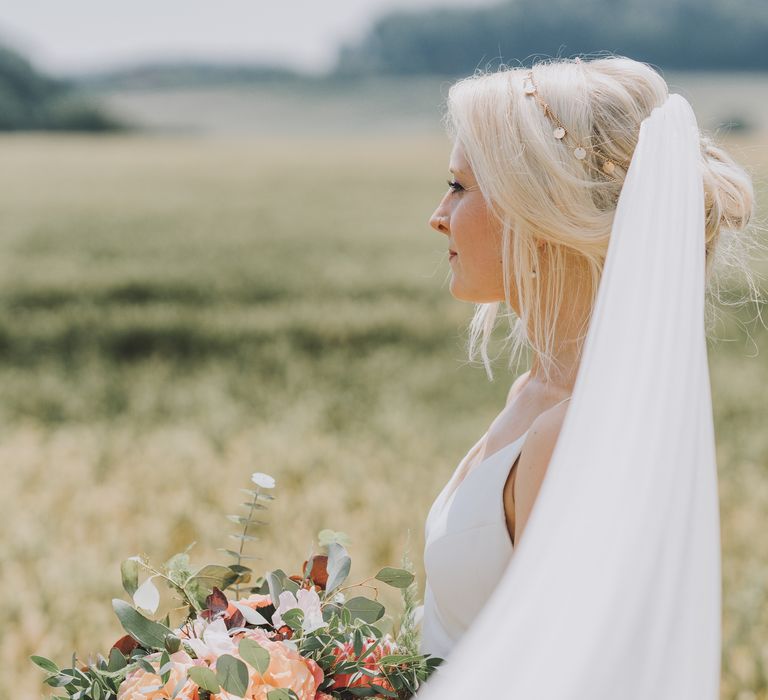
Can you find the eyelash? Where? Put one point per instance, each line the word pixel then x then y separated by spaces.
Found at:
pixel 455 186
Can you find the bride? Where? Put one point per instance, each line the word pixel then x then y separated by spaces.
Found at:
pixel 575 551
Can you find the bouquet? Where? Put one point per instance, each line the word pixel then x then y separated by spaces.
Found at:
pixel 285 637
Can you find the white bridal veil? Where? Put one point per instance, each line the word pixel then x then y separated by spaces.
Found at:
pixel 614 590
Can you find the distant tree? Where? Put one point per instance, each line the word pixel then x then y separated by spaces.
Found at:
pixel 176 74
pixel 671 34
pixel 30 100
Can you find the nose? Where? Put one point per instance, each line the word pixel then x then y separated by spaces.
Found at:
pixel 439 221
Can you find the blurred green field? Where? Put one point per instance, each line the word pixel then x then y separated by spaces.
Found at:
pixel 178 312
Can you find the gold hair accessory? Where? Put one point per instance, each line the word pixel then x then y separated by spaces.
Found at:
pixel 559 132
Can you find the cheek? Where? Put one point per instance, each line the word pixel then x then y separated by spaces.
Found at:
pixel 476 241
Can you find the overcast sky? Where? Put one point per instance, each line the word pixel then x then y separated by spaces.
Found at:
pixel 64 36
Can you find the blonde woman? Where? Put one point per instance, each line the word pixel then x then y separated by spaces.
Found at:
pixel 574 552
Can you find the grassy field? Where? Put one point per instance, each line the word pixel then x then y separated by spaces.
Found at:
pixel 176 313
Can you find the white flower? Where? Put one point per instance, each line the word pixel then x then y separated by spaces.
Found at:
pixel 147 596
pixel 215 642
pixel 263 480
pixel 307 601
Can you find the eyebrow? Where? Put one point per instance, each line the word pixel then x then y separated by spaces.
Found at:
pixel 456 171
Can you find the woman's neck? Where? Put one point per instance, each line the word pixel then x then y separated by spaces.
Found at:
pixel 562 375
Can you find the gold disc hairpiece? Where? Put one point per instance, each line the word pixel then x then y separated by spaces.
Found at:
pixel 608 165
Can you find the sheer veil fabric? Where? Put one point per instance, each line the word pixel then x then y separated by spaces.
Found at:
pixel 614 590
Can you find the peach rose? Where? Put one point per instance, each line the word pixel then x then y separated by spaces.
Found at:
pixel 287 669
pixel 142 685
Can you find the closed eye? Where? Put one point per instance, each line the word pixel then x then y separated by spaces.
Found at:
pixel 455 186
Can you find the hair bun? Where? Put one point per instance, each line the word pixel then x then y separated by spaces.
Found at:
pixel 729 197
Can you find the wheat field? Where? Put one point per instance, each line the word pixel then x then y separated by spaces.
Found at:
pixel 178 312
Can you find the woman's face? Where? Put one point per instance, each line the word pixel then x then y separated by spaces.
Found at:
pixel 473 233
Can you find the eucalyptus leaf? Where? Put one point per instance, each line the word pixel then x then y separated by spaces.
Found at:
pixel 148 633
pixel 203 581
pixel 245 538
pixel 205 678
pixel 243 520
pixel 172 643
pixel 281 694
pixel 252 617
pixel 293 618
pixel 239 569
pixel 178 568
pixel 129 573
pixel 327 536
pixel 45 664
pixel 116 660
pixel 364 609
pixel 330 611
pixel 253 653
pixel 144 664
pixel 255 506
pixel 165 667
pixel 275 587
pixel 338 566
pixel 399 578
pixel 59 680
pixel 238 519
pixel 232 675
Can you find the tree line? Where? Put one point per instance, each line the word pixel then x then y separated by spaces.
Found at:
pixel 670 34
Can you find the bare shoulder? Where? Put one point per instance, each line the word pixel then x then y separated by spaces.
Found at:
pixel 534 459
pixel 517 385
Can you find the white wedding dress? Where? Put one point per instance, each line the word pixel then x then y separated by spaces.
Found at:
pixel 467 546
pixel 614 589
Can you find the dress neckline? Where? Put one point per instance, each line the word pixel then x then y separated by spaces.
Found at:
pixel 484 460
pixel 477 467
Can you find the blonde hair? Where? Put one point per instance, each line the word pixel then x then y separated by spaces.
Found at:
pixel 534 189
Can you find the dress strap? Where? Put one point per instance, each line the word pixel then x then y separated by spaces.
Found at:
pixel 563 401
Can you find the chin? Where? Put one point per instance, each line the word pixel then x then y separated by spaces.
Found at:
pixel 473 296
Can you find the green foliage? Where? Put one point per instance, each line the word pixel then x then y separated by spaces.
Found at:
pixel 129 570
pixel 247 521
pixel 205 678
pixel 200 585
pixel 364 609
pixel 407 637
pixel 232 674
pixel 342 624
pixel 282 694
pixel 253 653
pixel 148 633
pixel 338 566
pixel 399 578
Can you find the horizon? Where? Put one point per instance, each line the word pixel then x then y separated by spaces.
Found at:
pixel 85 36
